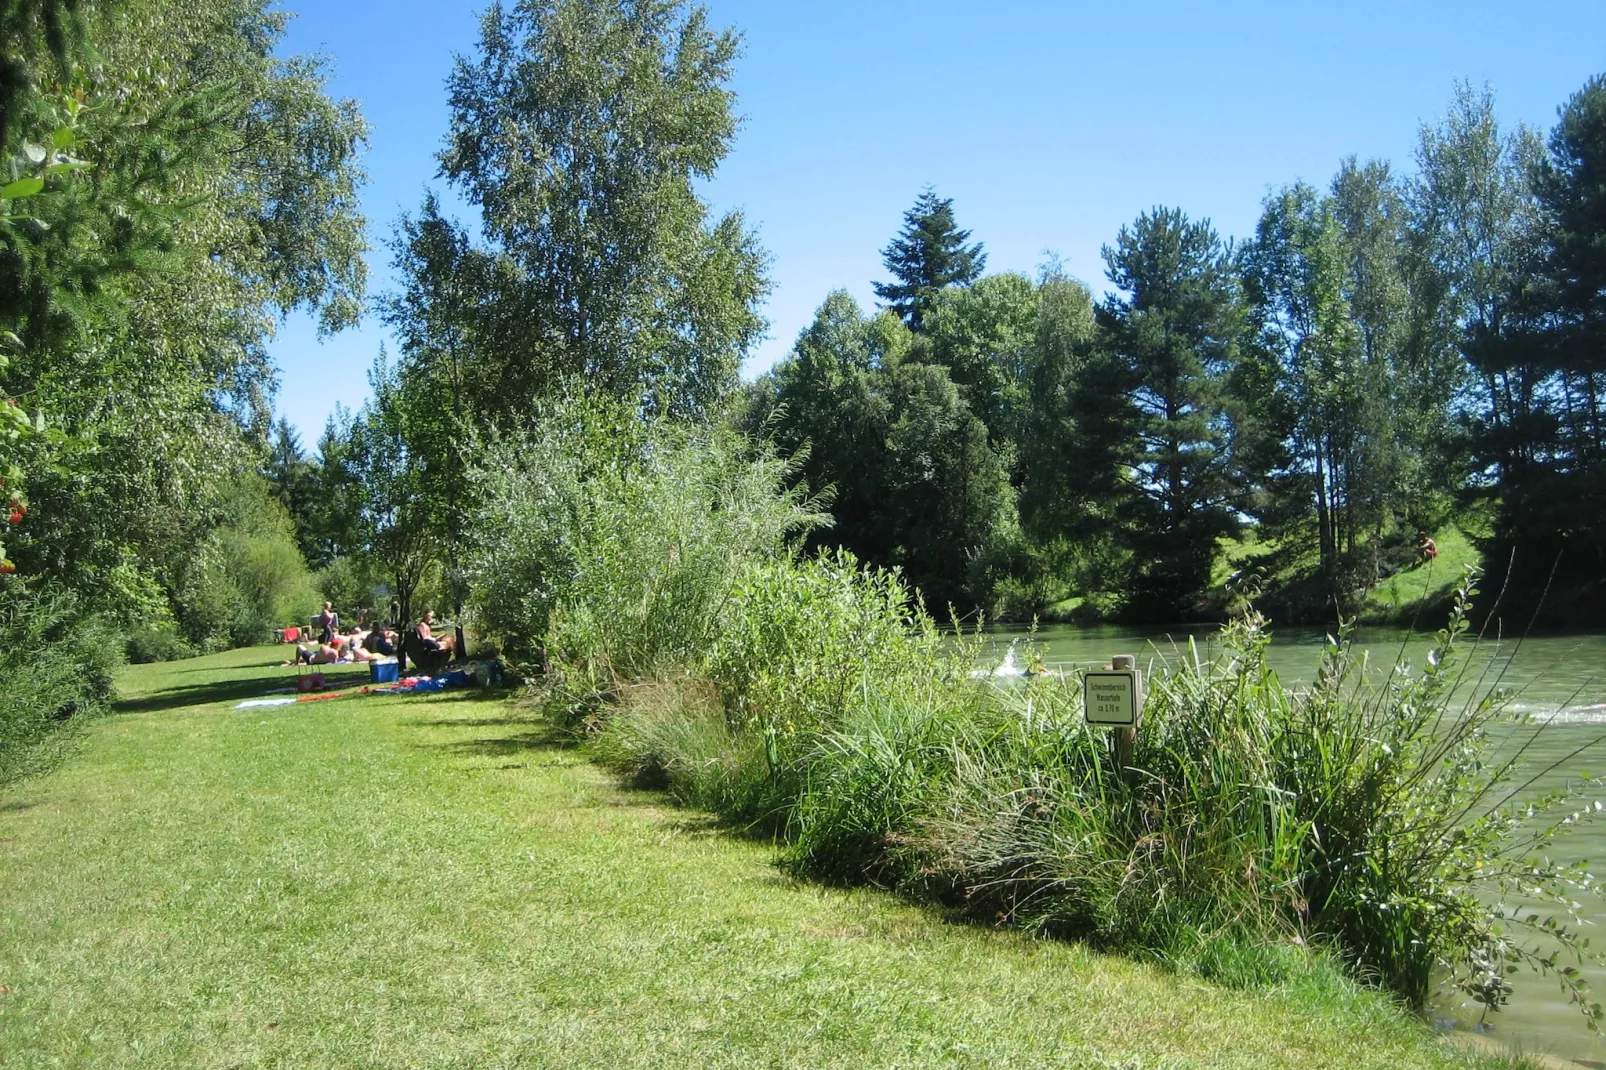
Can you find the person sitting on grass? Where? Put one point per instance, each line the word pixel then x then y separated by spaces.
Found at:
pixel 381 641
pixel 340 649
pixel 1426 548
pixel 425 635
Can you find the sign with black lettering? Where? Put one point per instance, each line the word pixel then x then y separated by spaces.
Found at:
pixel 1112 697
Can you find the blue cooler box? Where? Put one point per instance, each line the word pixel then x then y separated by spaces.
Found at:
pixel 383 672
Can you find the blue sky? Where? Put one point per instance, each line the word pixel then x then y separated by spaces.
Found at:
pixel 1049 124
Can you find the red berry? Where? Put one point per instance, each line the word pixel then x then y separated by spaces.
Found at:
pixel 7 568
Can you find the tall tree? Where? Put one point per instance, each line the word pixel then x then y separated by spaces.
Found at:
pixel 581 128
pixel 222 195
pixel 1475 223
pixel 438 320
pixel 292 479
pixel 1571 185
pixel 1552 345
pixel 1173 330
pixel 395 524
pixel 1054 456
pixel 1296 270
pixel 928 255
pixel 984 335
pixel 913 480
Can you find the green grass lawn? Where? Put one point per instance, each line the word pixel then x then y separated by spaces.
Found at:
pixel 432 882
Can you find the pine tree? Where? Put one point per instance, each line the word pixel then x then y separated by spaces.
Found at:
pixel 1173 333
pixel 1553 344
pixel 927 255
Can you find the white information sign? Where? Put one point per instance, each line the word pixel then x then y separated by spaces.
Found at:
pixel 1112 697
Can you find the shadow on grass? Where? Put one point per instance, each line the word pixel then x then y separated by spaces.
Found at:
pixel 541 736
pixel 281 677
pixel 173 698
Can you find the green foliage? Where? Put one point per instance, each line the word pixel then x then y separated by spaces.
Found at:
pixel 618 542
pixel 1545 425
pixel 376 466
pixel 247 578
pixel 985 335
pixel 1173 339
pixel 349 583
pixel 813 699
pixel 928 255
pixel 157 642
pixel 137 295
pixel 56 672
pixel 914 481
pixel 581 129
pixel 817 702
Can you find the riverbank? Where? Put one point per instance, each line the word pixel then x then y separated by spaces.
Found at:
pixel 1290 590
pixel 432 881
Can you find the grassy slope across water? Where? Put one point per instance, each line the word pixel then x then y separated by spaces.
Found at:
pixel 429 882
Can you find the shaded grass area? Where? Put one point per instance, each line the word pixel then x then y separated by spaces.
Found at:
pixel 432 881
pixel 229 677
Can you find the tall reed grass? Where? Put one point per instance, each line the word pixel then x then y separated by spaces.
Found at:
pixel 1370 819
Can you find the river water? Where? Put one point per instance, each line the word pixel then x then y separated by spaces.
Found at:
pixel 1559 679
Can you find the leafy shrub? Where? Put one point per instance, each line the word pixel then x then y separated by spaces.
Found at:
pixel 349 583
pixel 798 641
pixel 813 699
pixel 247 578
pixel 1375 819
pixel 674 734
pixel 56 672
pixel 606 538
pixel 157 642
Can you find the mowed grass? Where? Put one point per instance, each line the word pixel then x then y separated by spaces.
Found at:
pixel 432 882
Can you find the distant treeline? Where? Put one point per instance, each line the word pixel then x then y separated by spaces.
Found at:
pixel 1382 356
pixel 1402 352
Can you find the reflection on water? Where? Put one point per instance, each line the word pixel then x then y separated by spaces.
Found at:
pixel 1560 680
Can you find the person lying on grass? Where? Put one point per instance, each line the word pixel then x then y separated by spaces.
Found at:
pixel 341 649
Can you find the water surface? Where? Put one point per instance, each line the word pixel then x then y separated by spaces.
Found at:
pixel 1559 680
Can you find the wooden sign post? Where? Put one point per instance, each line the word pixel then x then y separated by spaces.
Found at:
pixel 1113 697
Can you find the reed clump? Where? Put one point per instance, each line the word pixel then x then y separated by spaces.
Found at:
pixel 1375 820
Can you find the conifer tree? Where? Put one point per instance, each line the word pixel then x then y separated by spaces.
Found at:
pixel 1173 334
pixel 927 255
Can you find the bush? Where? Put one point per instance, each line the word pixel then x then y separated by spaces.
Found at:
pixel 812 699
pixel 157 642
pixel 608 539
pixel 1362 821
pixel 674 734
pixel 1374 819
pixel 349 583
pixel 247 578
pixel 56 672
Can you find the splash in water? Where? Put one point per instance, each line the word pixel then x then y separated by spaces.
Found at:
pixel 1007 669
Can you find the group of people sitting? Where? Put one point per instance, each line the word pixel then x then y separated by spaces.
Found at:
pixel 359 644
pixel 354 644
